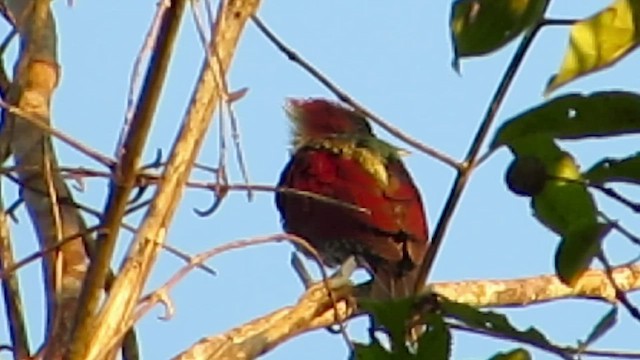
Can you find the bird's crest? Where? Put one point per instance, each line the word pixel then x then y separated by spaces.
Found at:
pixel 323 124
pixel 319 118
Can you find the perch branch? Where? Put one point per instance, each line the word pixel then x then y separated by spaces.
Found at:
pixel 312 312
pixel 113 318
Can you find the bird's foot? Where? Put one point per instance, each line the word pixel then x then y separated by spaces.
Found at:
pixel 344 271
pixel 337 280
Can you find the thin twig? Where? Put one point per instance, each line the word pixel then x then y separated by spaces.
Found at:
pixel 56 218
pixel 125 172
pixel 464 174
pixel 344 97
pixel 147 300
pixel 558 22
pixel 620 294
pixel 235 135
pixel 227 99
pixel 621 229
pixel 4 78
pixel 213 63
pixel 42 124
pixel 635 207
pixel 144 179
pixel 170 249
pixel 44 251
pixel 117 310
pixel 484 157
pixel 12 296
pixel 161 294
pixel 134 81
pixel 554 349
pixel 5 347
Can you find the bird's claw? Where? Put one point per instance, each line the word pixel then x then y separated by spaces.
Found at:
pixel 346 269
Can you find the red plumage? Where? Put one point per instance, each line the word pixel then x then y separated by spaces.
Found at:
pixel 390 237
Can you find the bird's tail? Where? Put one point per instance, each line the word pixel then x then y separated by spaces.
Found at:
pixel 388 284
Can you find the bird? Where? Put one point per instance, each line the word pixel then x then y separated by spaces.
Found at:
pixel 365 203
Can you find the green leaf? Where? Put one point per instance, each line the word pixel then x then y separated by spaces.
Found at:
pixel 515 354
pixel 491 321
pixel 603 326
pixel 373 351
pixel 481 26
pixel 577 249
pixel 393 316
pixel 575 116
pixel 599 42
pixel 564 204
pixel 435 342
pixel 541 146
pixel 566 207
pixel 615 170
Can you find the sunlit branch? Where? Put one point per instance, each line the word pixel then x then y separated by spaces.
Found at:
pixel 312 311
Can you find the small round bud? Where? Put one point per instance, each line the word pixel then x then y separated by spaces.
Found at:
pixel 526 176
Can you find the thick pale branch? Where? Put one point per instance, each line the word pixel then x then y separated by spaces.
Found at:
pixel 124 177
pixel 313 310
pixel 116 315
pixel 534 290
pixel 43 189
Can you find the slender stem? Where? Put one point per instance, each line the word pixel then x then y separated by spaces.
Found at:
pixel 472 156
pixel 634 206
pixel 7 271
pixel 621 229
pixel 11 292
pixel 125 175
pixel 558 22
pixel 561 351
pixel 620 294
pixel 344 97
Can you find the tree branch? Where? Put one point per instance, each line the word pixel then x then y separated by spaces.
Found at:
pixel 314 311
pixel 35 79
pixel 594 284
pixel 11 292
pixel 471 159
pixel 124 177
pixel 114 318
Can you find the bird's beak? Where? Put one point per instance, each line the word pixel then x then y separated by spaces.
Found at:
pixel 403 152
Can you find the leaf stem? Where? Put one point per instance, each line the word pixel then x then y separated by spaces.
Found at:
pixel 464 173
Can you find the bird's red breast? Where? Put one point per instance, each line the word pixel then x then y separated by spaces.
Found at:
pixel 337 156
pixel 392 213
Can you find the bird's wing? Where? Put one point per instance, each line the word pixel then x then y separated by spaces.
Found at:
pixel 393 213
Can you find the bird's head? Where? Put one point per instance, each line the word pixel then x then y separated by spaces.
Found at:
pixel 316 119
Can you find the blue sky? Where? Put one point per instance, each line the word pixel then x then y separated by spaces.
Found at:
pixel 394 58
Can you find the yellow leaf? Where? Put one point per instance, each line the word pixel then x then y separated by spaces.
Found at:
pixel 599 41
